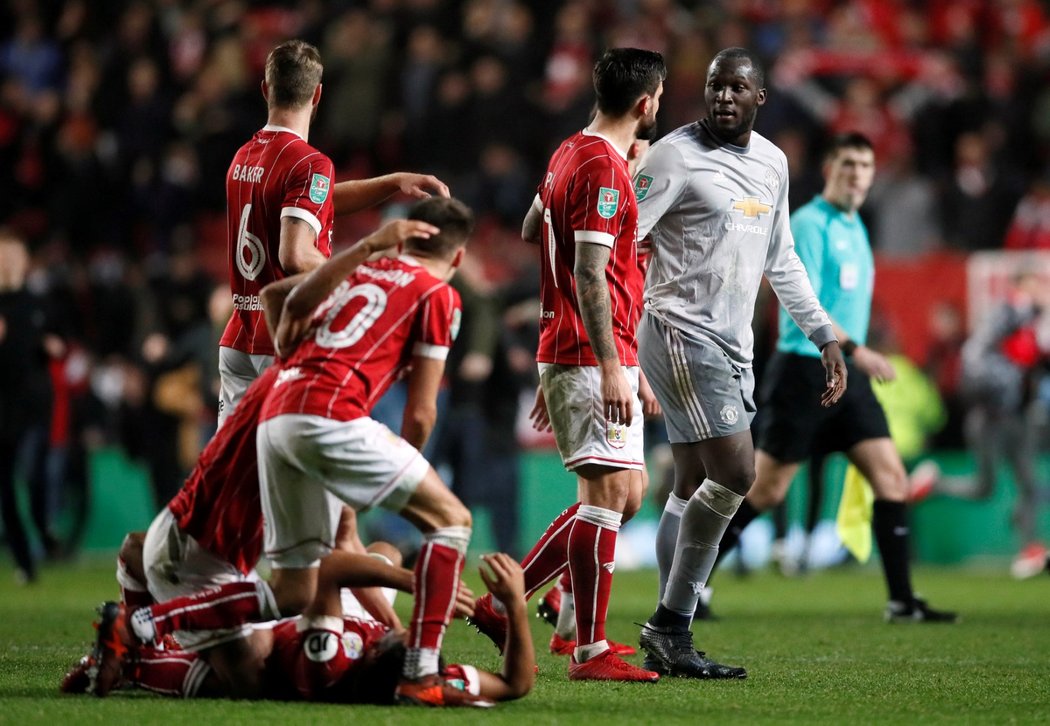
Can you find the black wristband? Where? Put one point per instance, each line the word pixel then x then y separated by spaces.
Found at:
pixel 848 346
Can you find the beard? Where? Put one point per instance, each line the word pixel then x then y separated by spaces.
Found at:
pixel 646 131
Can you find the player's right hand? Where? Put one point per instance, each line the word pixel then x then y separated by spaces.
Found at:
pixel 835 369
pixel 617 396
pixel 398 232
pixel 507 580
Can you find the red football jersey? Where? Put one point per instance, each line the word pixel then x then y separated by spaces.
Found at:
pixel 364 337
pixel 587 196
pixel 274 175
pixel 316 660
pixel 219 503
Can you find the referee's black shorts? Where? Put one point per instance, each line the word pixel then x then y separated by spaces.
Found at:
pixel 792 425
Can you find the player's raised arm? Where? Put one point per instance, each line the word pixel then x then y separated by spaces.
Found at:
pixel 302 296
pixel 354 195
pixel 507 582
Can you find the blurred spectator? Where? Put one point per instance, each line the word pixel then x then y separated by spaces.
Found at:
pixel 903 205
pixel 1003 368
pixel 978 198
pixel 26 346
pixel 476 437
pixel 1030 227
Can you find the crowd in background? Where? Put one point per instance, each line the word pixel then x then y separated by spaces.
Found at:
pixel 118 120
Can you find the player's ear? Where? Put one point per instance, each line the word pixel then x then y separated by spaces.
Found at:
pixel 644 105
pixel 317 94
pixel 457 259
pixel 761 96
pixel 265 90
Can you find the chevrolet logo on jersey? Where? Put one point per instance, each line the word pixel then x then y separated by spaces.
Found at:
pixel 751 207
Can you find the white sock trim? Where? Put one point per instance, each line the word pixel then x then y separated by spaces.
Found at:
pixel 675 505
pixel 458 538
pixel 723 502
pixel 600 516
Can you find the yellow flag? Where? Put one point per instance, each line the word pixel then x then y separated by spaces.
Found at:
pixel 853 522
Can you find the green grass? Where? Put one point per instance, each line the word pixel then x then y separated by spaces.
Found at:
pixel 816 648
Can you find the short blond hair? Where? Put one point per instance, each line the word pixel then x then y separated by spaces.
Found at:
pixel 293 70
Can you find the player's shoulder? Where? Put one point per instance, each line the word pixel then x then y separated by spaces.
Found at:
pixel 768 151
pixel 671 148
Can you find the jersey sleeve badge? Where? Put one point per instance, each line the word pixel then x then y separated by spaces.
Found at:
pixel 642 183
pixel 608 202
pixel 319 186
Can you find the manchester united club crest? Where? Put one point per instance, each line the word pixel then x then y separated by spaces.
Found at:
pixel 729 414
pixel 616 434
pixel 608 202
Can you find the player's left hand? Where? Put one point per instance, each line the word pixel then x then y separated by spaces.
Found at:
pixel 417 185
pixel 874 364
pixel 540 417
pixel 835 368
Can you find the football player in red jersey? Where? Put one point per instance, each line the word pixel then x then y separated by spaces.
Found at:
pixel 316 440
pixel 585 220
pixel 280 202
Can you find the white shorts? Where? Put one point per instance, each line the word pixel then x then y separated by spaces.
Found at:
pixel 304 460
pixel 237 371
pixel 176 566
pixel 581 431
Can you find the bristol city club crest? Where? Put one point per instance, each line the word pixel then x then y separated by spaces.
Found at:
pixel 608 202
pixel 616 434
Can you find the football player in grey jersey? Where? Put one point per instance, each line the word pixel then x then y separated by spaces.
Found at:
pixel 712 196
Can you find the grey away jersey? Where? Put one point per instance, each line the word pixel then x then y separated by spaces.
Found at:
pixel 718 215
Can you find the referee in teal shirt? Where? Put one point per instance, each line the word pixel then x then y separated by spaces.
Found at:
pixel 832 243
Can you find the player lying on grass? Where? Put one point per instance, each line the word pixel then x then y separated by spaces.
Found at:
pixel 327 656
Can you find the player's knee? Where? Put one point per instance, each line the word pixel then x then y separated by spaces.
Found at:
pixel 130 555
pixel 451 513
pixel 739 479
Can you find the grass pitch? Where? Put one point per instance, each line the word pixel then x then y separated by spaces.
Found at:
pixel 816 649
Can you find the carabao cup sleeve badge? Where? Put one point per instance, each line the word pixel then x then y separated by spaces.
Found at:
pixel 319 185
pixel 608 202
pixel 642 184
pixel 616 434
